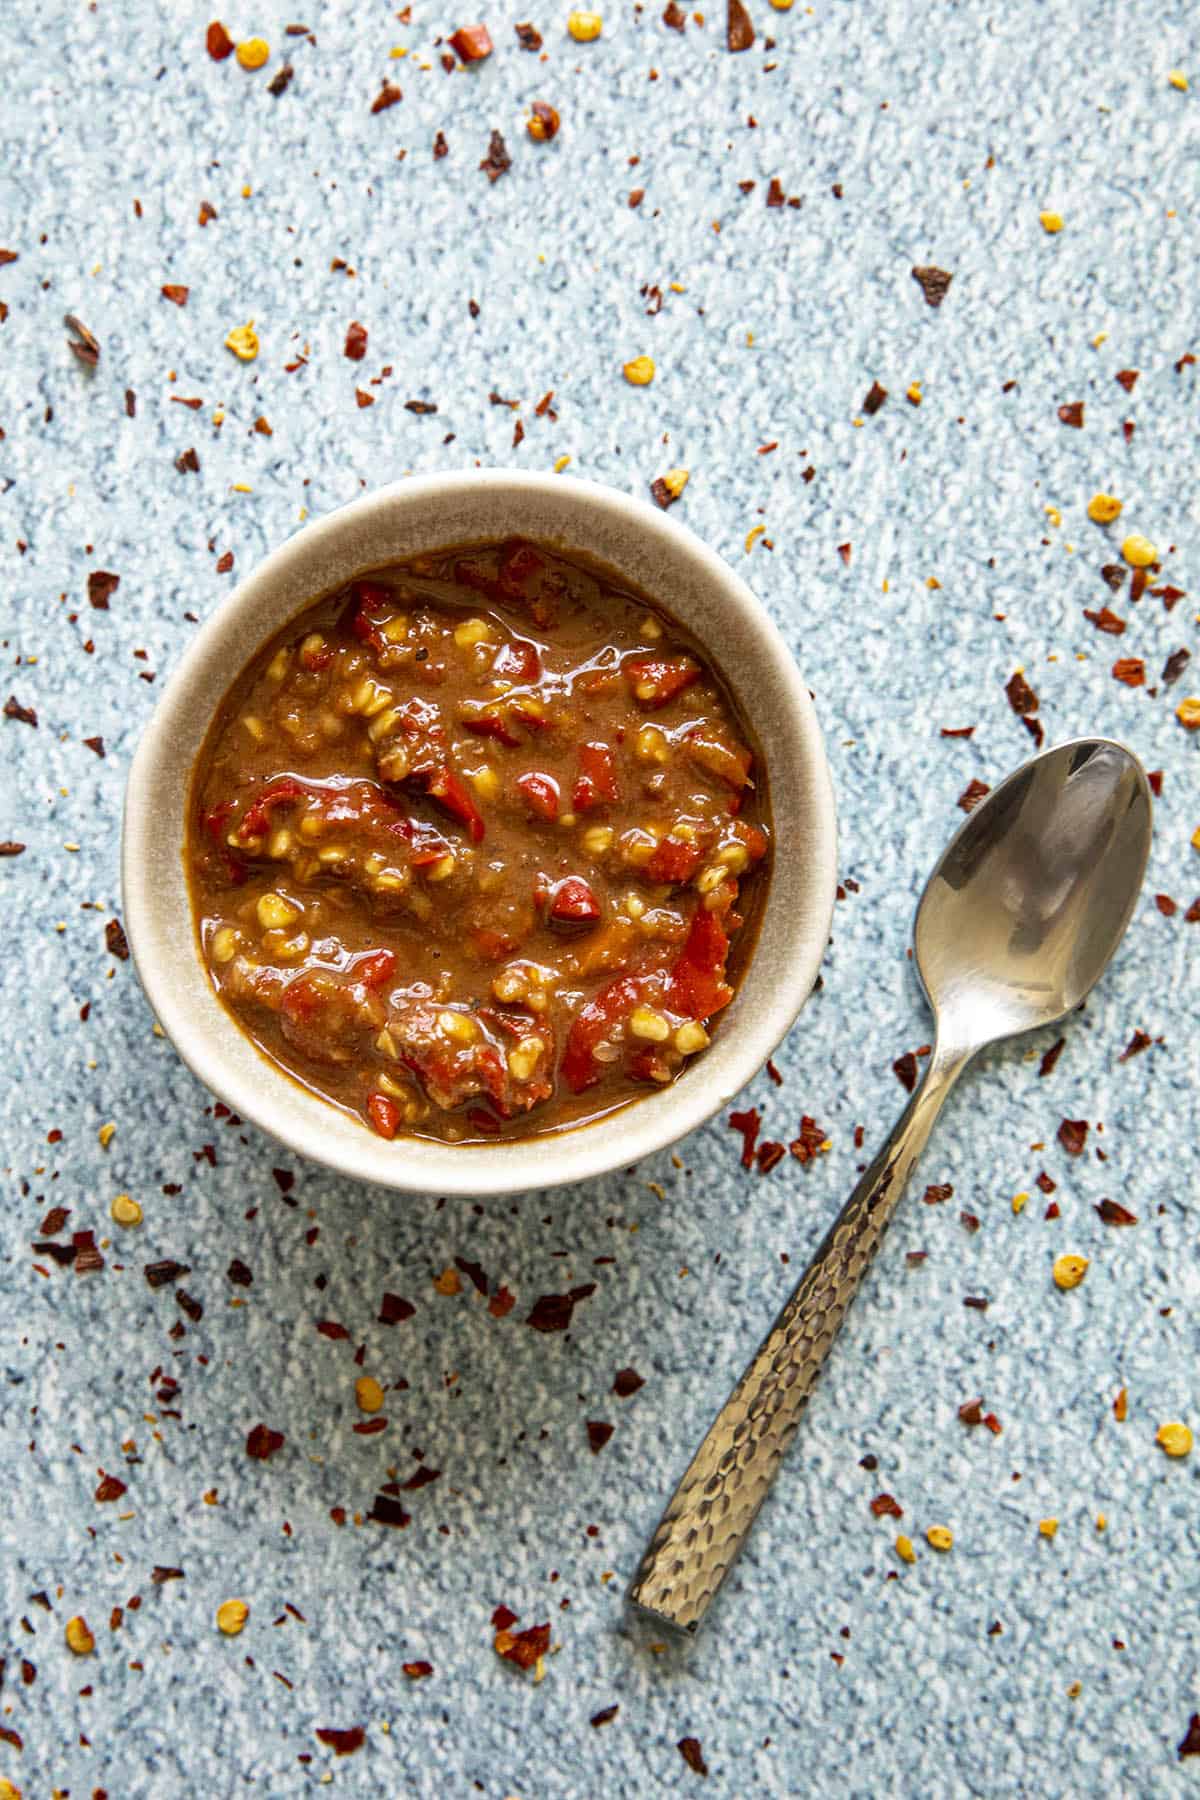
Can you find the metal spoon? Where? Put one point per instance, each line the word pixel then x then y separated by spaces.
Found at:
pixel 1016 924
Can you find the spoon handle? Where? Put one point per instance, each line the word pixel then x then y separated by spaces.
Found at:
pixel 715 1504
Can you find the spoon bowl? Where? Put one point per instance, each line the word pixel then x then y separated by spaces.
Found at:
pixel 1019 919
pixel 1031 897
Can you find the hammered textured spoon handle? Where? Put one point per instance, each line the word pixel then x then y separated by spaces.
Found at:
pixel 715 1504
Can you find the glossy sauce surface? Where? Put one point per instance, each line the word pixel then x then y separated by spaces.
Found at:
pixel 472 844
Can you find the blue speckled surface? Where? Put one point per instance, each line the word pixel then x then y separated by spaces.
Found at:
pixel 947 130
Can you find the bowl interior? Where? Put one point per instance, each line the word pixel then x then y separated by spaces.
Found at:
pixel 425 513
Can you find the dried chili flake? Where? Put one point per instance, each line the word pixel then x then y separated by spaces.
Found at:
pixel 876 395
pixel 739 31
pixel 1127 378
pixel 693 1756
pixel 1072 1135
pixel 769 1154
pixel 598 1433
pixel 388 95
pixel 606 1715
pixel 388 1511
pixel 1174 666
pixel 471 43
pixel 748 1123
pixel 497 161
pixel 776 197
pixel 1021 696
pixel 1113 1213
pixel 9 1736
pixel 971 1412
pixel 421 407
pixel 110 1487
pixel 190 1305
pixel 14 710
pixel 812 1141
pixel 342 1742
pixel 1105 620
pixel 187 462
pixel 474 1272
pixel 440 147
pixel 885 1506
pixel 175 293
pixel 239 1274
pixel 544 122
pixel 1072 414
pixel 674 16
pixel 523 1647
pixel 1050 1058
pixel 934 283
pixel 160 1575
pixel 636 196
pixel 503 1617
pixel 976 1301
pixel 968 1221
pixel 552 1312
pixel 218 42
pixel 972 794
pixel 627 1382
pixel 417 1671
pixel 501 1302
pixel 54 1221
pixel 905 1070
pixel 420 1477
pixel 1131 670
pixel 160 1274
pixel 330 1328
pixel 262 1442
pixel 281 81
pixel 1190 1744
pixel 393 1310
pixel 528 36
pixel 356 341
pixel 84 346
pixel 8 256
pixel 1166 906
pixel 102 584
pixel 937 1192
pixel 10 847
pixel 225 563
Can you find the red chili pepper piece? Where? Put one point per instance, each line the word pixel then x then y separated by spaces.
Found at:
pixel 657 679
pixel 375 969
pixel 490 725
pixel 573 902
pixel 519 567
pixel 674 861
pixel 597 781
pixel 698 987
pixel 471 42
pixel 485 1122
pixel 447 789
pixel 491 945
pixel 540 794
pixel 518 660
pixel 594 1021
pixel 257 817
pixel 384 1115
pixel 313 658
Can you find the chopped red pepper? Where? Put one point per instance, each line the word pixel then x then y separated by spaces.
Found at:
pixel 713 750
pixel 674 860
pixel 375 969
pixel 698 987
pixel 257 817
pixel 748 1124
pixel 597 781
pixel 519 566
pixel 573 902
pixel 657 679
pixel 594 1022
pixel 384 1114
pixel 452 796
pixel 540 794
pixel 490 724
pixel 518 660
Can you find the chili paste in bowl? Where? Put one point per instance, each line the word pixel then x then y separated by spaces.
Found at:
pixel 476 845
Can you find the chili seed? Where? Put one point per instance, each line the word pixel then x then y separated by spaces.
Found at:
pixel 584 27
pixel 253 53
pixel 125 1210
pixel 640 373
pixel 1102 509
pixel 243 339
pixel 232 1616
pixel 1069 1271
pixel 79 1638
pixel 939 1537
pixel 1138 551
pixel 1174 1438
pixel 368 1394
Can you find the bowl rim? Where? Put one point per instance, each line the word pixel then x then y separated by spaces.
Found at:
pixel 280 1106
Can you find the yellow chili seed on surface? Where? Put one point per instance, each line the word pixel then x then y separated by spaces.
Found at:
pixel 912 393
pixel 1102 509
pixel 232 1616
pixel 253 53
pixel 939 1537
pixel 1069 1271
pixel 675 480
pixel 639 372
pixel 1138 551
pixel 1178 80
pixel 8 1789
pixel 243 341
pixel 1048 1527
pixel 1051 222
pixel 904 1549
pixel 368 1395
pixel 106 1134
pixel 125 1210
pixel 1188 713
pixel 448 1282
pixel 584 27
pixel 1101 1522
pixel 1121 1406
pixel 1019 1202
pixel 1174 1438
pixel 79 1638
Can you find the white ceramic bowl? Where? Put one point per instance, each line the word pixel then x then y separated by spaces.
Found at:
pixel 423 513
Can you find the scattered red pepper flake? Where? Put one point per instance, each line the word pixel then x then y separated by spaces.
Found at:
pixel 417 1671
pixel 440 147
pixel 355 347
pixel 905 1070
pixel 1166 906
pixel 769 1154
pixel 552 1312
pixel 363 398
pixel 968 1221
pixel 693 1756
pixel 934 283
pixel 218 42
pixel 420 1477
pixel 1021 696
pixel 503 1617
pixel 1072 1135
pixel 175 293
pixel 958 731
pixel 1105 620
pixel 475 1273
pixel 1045 1182
pixel 102 584
pixel 84 346
pixel 393 1310
pixel 1131 670
pixel 187 462
pixel 1112 1212
pixel 876 395
pixel 1127 378
pixel 1174 666
pixel 10 847
pixel 937 1192
pixel 972 794
pixel 971 1412
pixel 598 1435
pixel 885 1506
pixel 627 1382
pixel 110 1487
pixel 342 1742
pixel 739 31
pixel 811 1141
pixel 24 714
pixel 528 36
pixel 471 43
pixel 497 161
pixel 1072 414
pixel 1190 1745
pixel 160 1576
pixel 748 1123
pixel 522 1647
pixel 606 1715
pixel 501 1302
pixel 388 1511
pixel 1050 1058
pixel 281 81
pixel 388 95
pixel 262 1442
